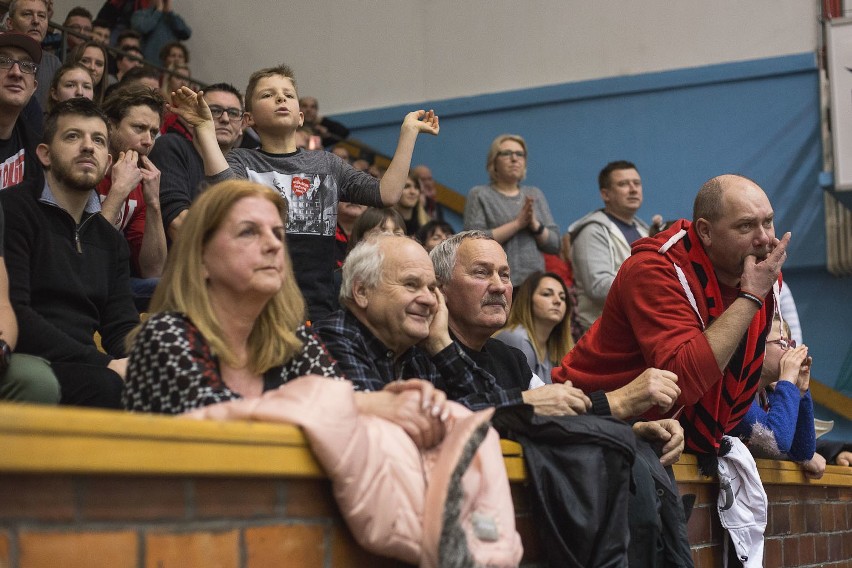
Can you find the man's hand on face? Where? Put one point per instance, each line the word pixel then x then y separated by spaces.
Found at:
pixel 439 332
pixel 558 400
pixel 150 182
pixel 758 277
pixel 125 174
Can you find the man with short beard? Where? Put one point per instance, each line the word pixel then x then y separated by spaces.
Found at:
pixel 68 266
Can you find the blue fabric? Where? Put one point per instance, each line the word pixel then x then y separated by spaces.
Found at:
pixel 790 418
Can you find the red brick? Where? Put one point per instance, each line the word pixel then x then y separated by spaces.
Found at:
pixel 791 551
pixel 813 518
pixel 300 545
pixel 835 546
pixel 193 550
pixel 806 549
pixel 243 498
pixel 772 552
pixel 346 553
pixel 39 497
pixel 707 556
pixel 5 545
pixel 698 528
pixel 797 518
pixel 779 520
pixel 839 510
pixel 77 550
pixel 310 498
pixel 821 550
pixel 132 498
pixel 826 511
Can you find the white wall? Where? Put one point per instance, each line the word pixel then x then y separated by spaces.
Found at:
pixel 358 55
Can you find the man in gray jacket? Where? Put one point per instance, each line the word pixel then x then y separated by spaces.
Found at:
pixel 602 239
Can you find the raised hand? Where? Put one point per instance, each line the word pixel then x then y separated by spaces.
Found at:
pixel 422 121
pixel 190 106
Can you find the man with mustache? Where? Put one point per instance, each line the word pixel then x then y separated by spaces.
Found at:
pixel 68 267
pixel 695 300
pixel 393 326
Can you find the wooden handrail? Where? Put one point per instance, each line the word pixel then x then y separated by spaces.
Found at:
pixel 44 439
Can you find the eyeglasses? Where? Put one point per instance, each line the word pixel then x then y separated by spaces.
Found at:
pixel 233 113
pixel 27 67
pixel 784 343
pixel 80 29
pixel 509 153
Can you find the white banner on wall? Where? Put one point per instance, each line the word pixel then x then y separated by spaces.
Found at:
pixel 839 46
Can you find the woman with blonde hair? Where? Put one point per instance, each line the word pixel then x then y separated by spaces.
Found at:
pixel 539 322
pixel 516 216
pixel 228 320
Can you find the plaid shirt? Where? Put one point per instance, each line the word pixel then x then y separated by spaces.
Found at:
pixel 370 365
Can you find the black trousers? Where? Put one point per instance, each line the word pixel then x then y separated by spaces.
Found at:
pixel 89 385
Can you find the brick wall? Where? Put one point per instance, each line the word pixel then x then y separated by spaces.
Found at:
pixel 58 521
pixel 105 489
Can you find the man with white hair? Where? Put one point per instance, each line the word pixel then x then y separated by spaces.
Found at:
pixel 394 326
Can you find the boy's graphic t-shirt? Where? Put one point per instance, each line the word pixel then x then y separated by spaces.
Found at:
pixel 312 183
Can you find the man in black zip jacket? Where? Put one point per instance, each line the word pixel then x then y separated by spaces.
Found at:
pixel 68 266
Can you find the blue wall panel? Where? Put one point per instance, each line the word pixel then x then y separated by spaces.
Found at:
pixel 757 118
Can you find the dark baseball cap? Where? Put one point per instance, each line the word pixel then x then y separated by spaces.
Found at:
pixel 23 41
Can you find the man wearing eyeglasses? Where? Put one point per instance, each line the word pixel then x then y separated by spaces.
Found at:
pixel 30 17
pixel 19 58
pixel 178 159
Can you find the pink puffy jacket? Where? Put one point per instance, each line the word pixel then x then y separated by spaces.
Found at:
pixel 446 506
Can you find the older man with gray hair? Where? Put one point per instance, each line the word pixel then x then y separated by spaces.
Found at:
pixel 394 326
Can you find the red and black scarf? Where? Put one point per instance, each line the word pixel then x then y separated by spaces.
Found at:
pixel 724 405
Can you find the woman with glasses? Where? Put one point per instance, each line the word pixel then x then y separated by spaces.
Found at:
pixel 516 215
pixel 539 323
pixel 780 422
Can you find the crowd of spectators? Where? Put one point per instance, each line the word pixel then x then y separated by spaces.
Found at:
pixel 346 268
